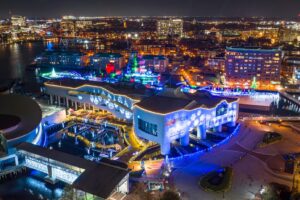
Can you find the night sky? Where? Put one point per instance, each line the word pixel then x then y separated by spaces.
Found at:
pixel 227 8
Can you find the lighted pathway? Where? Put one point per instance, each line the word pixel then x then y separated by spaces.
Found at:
pixel 249 169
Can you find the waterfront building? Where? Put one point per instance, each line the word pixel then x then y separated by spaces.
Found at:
pixel 62 59
pixel 172 115
pixel 117 98
pixel 84 176
pixel 170 27
pixel 242 65
pixel 109 62
pixel 160 118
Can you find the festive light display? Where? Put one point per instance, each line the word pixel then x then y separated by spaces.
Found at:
pixel 53 74
pixel 254 84
pixel 179 123
pixel 110 68
pixel 69 74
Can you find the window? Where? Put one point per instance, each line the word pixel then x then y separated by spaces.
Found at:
pixel 147 127
pixel 221 109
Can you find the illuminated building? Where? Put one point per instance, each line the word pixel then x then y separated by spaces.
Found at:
pixel 83 176
pixel 18 21
pixel 141 72
pixel 82 24
pixel 261 32
pixel 216 64
pixel 101 61
pixel 156 63
pixel 291 70
pixel 243 64
pixel 172 115
pixel 153 47
pixel 160 118
pixel 230 35
pixel 172 27
pixel 116 98
pixel 68 27
pixel 289 35
pixel 68 17
pixel 62 59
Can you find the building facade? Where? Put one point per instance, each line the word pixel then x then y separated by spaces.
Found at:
pixel 18 21
pixel 242 65
pixel 117 99
pixel 291 70
pixel 101 61
pixel 170 27
pixel 161 118
pixel 62 59
pixel 156 63
pixel 175 117
pixel 216 64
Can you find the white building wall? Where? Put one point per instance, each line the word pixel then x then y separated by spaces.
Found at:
pixel 99 98
pixel 153 118
pixel 177 124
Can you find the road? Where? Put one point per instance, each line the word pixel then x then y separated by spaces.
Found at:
pixel 249 169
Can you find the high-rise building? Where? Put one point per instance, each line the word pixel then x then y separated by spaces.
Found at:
pixel 172 27
pixel 18 20
pixel 291 70
pixel 67 27
pixel 245 65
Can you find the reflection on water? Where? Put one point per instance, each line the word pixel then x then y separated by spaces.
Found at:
pixel 15 57
pixel 30 187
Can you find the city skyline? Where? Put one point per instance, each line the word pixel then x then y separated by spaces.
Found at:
pixel 160 100
pixel 214 8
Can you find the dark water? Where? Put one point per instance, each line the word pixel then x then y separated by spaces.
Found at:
pixel 14 60
pixel 30 186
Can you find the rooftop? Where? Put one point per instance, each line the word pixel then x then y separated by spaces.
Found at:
pixel 25 112
pixel 160 57
pixel 111 55
pixel 132 90
pixel 254 49
pixel 99 179
pixel 175 100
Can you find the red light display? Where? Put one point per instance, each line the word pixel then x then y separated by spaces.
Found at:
pixel 110 68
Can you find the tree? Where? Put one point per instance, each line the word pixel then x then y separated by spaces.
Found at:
pixel 134 64
pixel 254 84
